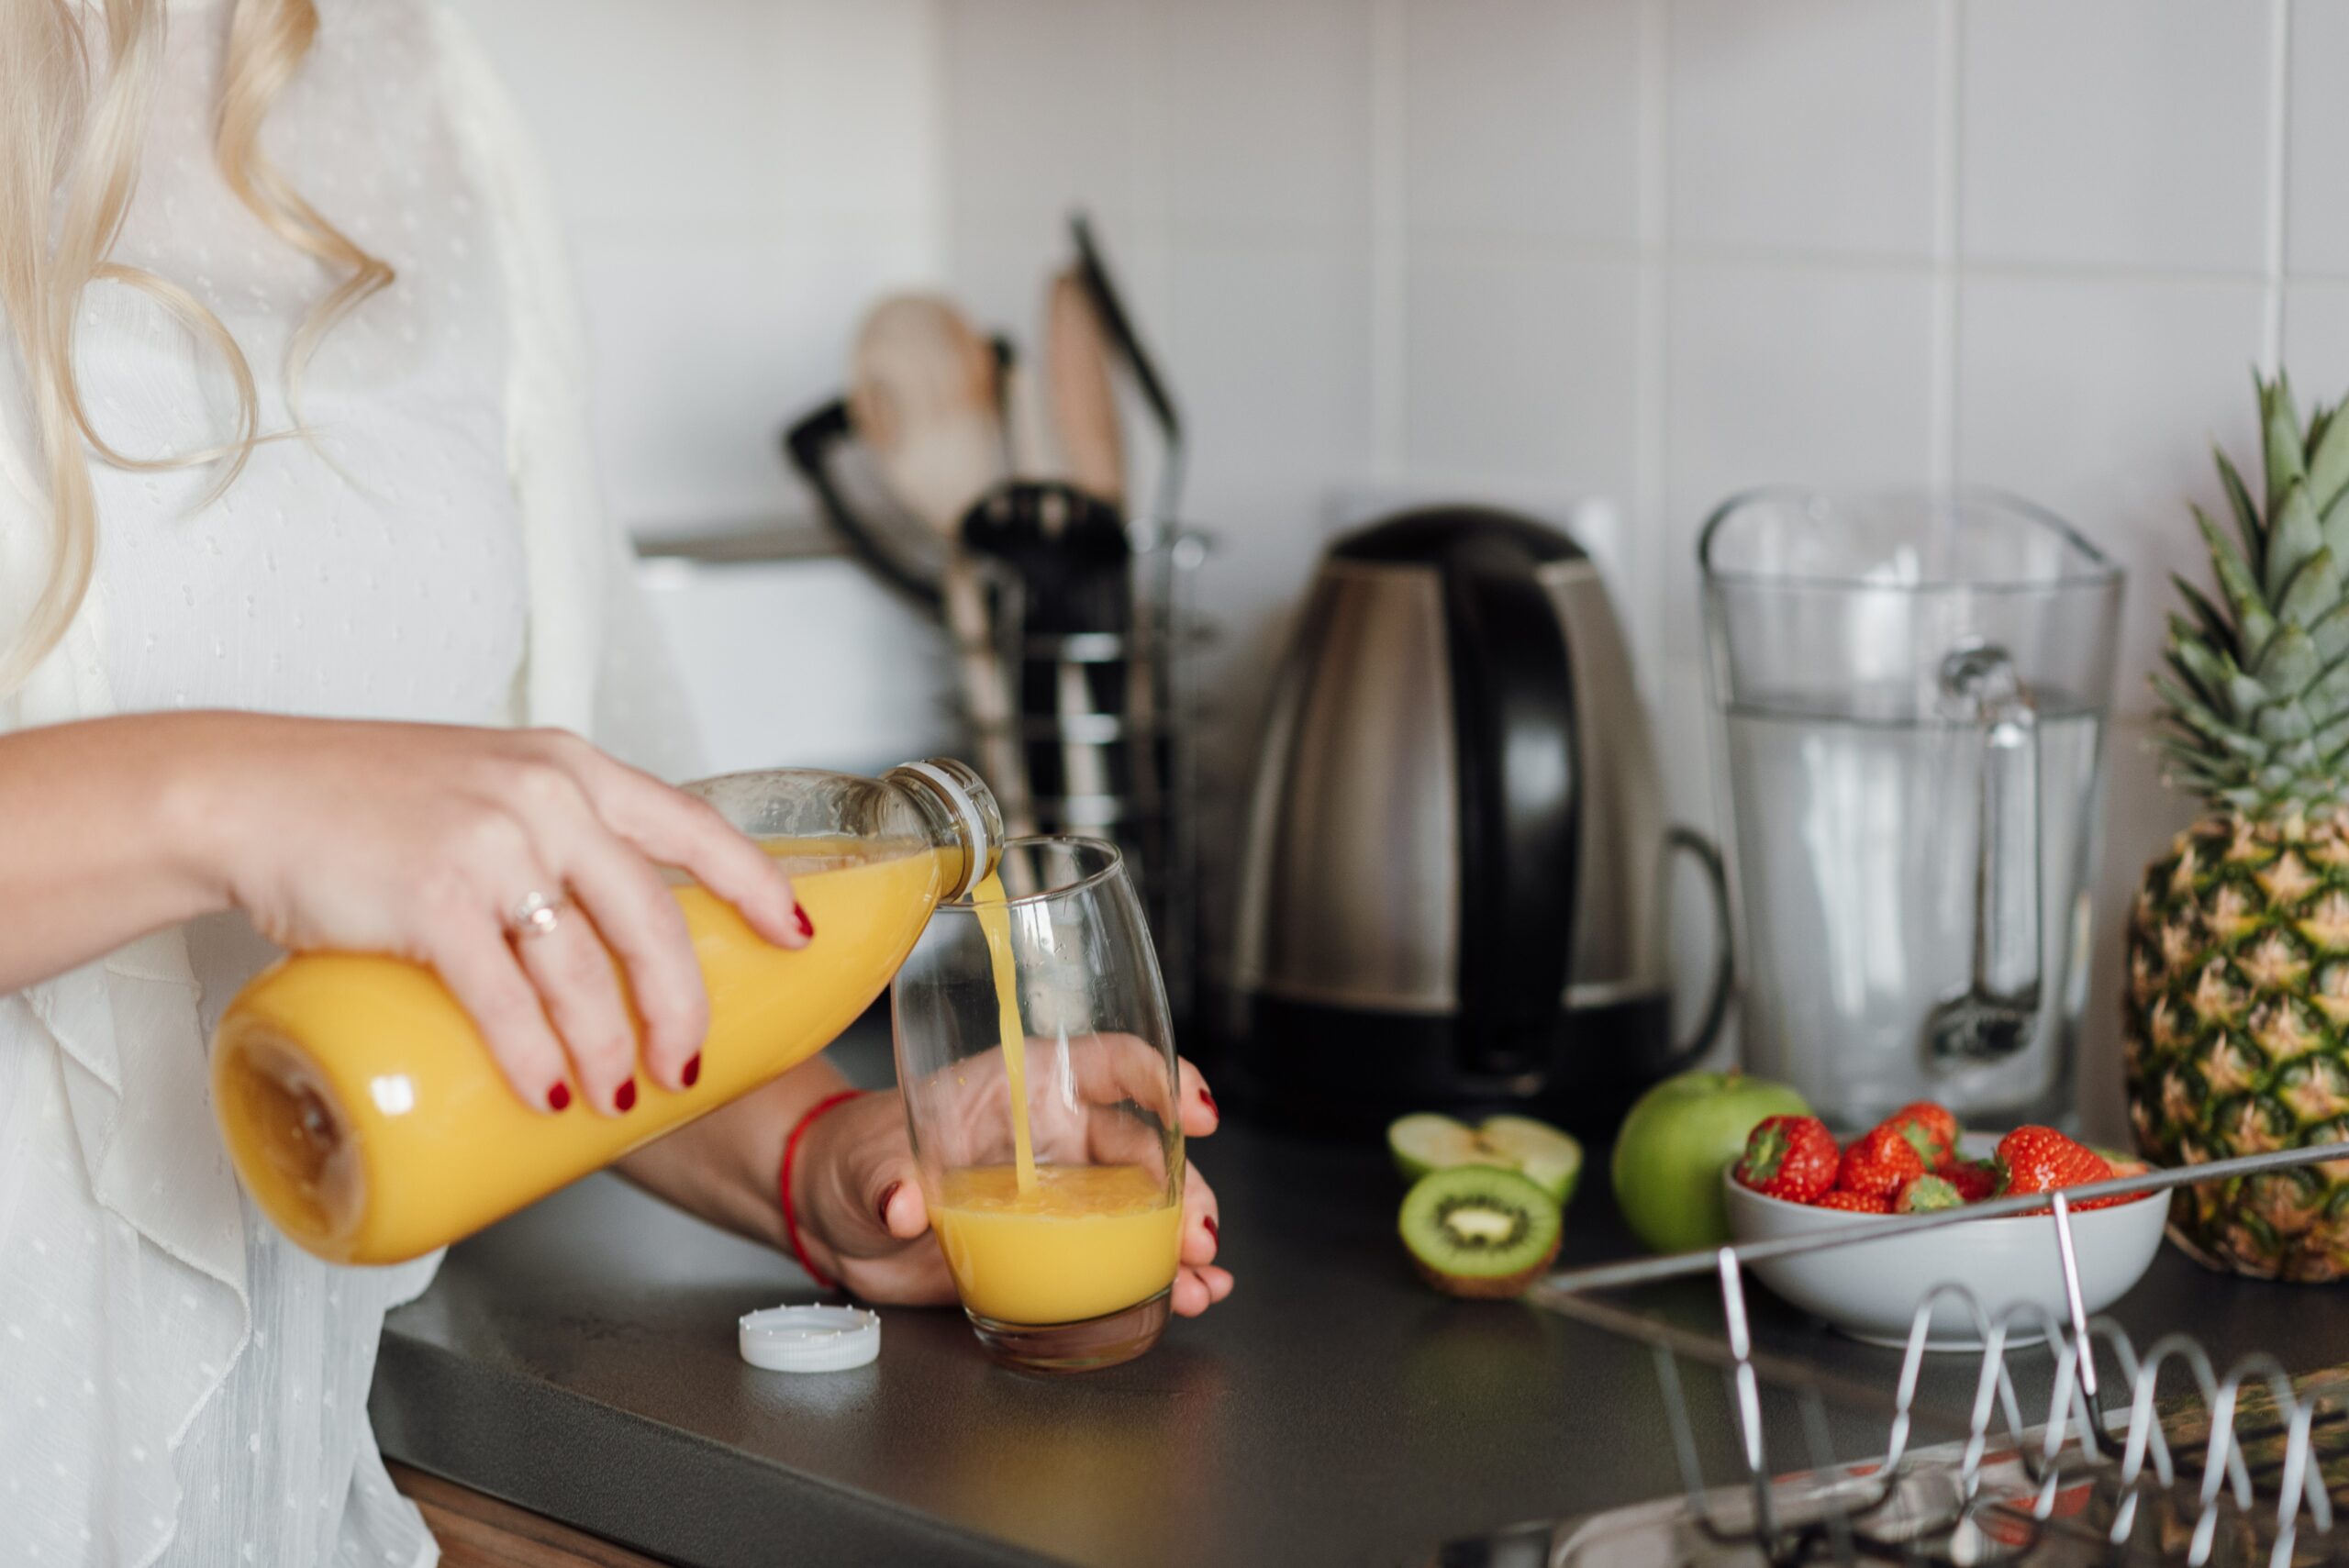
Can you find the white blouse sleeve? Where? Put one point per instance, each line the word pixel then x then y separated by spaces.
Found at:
pixel 597 662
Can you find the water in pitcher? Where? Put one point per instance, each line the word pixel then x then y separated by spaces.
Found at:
pixel 1856 828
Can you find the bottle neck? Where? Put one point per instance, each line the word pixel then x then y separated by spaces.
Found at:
pixel 960 813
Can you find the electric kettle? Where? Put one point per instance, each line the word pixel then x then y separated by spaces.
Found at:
pixel 1454 871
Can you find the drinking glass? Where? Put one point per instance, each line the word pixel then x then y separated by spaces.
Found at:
pixel 1065 1266
pixel 1912 688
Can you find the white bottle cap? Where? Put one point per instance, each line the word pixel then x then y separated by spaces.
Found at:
pixel 810 1339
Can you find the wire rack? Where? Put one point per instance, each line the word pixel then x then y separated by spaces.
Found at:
pixel 2171 1460
pixel 1125 769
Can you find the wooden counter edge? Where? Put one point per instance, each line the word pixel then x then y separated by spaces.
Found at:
pixel 478 1532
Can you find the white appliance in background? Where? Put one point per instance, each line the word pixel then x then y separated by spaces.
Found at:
pixel 795 658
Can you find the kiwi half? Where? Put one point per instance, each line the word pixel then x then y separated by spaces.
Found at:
pixel 1478 1230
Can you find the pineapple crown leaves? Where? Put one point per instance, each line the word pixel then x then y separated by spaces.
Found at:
pixel 2258 685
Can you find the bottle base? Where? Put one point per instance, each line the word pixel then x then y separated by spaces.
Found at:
pixel 1087 1346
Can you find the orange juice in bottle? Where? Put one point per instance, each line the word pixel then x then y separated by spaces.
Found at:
pixel 369 1121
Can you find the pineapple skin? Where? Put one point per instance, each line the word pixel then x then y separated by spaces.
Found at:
pixel 2235 1028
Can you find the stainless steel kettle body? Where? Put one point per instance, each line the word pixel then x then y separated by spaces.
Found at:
pixel 1453 874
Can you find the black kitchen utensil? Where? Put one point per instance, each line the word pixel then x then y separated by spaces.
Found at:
pixel 899 550
pixel 1093 271
pixel 1067 555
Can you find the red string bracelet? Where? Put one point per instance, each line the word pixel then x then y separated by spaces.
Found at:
pixel 790 1154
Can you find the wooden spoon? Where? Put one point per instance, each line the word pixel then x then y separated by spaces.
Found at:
pixel 924 399
pixel 1085 405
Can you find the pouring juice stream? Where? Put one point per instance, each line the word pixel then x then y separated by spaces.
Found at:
pixel 1029 1244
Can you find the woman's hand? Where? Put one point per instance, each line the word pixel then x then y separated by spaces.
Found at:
pixel 858 1196
pixel 423 841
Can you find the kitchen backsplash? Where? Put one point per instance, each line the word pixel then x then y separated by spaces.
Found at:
pixel 1644 250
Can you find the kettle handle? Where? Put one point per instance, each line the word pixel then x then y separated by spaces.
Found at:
pixel 1520 799
pixel 1707 856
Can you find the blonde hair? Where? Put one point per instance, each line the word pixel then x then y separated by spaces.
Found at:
pixel 70 143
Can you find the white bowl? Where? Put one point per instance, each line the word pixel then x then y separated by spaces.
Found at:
pixel 1871 1291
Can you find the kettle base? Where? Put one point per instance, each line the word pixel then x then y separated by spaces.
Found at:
pixel 1310 1067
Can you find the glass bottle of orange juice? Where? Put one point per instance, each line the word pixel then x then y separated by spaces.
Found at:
pixel 370 1123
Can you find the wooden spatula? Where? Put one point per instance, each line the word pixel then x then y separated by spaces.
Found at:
pixel 923 397
pixel 1085 405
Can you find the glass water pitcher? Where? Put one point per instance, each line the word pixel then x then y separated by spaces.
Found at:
pixel 1911 690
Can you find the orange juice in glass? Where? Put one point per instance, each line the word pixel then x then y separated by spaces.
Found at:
pixel 1039 1071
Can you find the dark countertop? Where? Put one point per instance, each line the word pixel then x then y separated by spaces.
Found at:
pixel 579 1359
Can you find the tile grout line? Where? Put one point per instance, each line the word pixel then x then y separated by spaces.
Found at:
pixel 1389 198
pixel 2279 158
pixel 1942 460
pixel 1649 547
pixel 932 225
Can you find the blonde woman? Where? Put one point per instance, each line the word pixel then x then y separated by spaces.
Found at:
pixel 222 221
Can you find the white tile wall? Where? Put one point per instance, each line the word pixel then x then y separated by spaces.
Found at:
pixel 2131 133
pixel 2100 398
pixel 1514 117
pixel 1802 124
pixel 2316 229
pixel 738 176
pixel 1653 250
pixel 1658 250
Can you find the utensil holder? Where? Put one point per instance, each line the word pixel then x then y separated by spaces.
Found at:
pixel 1122 764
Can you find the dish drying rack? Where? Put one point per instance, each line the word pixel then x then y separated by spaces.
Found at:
pixel 2172 1461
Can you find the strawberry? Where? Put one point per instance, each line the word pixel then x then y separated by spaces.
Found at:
pixel 1930 1130
pixel 1790 1157
pixel 1880 1163
pixel 1925 1193
pixel 1852 1203
pixel 2040 1159
pixel 1973 1179
pixel 2122 1168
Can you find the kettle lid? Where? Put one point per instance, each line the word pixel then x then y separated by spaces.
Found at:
pixel 1428 536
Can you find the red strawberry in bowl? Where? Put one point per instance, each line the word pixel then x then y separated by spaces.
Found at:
pixel 1930 1130
pixel 1880 1163
pixel 1973 1179
pixel 1852 1203
pixel 2041 1160
pixel 1790 1157
pixel 1926 1194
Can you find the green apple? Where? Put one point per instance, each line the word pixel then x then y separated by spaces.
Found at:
pixel 1671 1148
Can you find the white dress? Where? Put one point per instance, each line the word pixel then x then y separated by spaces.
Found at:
pixel 178 1384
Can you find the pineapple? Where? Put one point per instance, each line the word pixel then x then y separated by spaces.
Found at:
pixel 2236 1020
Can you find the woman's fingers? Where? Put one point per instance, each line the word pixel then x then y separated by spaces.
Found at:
pixel 1195 1290
pixel 632 911
pixel 1200 1116
pixel 675 829
pixel 575 977
pixel 481 971
pixel 1201 1219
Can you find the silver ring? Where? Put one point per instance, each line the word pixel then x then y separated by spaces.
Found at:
pixel 535 915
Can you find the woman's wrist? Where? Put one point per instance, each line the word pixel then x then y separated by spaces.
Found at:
pixel 805 1158
pixel 202 796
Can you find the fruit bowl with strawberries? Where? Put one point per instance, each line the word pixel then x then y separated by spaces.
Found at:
pixel 1795 1179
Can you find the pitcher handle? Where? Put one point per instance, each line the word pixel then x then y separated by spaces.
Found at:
pixel 1996 1017
pixel 1707 856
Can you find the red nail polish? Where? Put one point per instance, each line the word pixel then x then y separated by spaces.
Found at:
pixel 1208 1100
pixel 625 1099
pixel 1213 1234
pixel 807 926
pixel 559 1097
pixel 887 1194
pixel 692 1075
